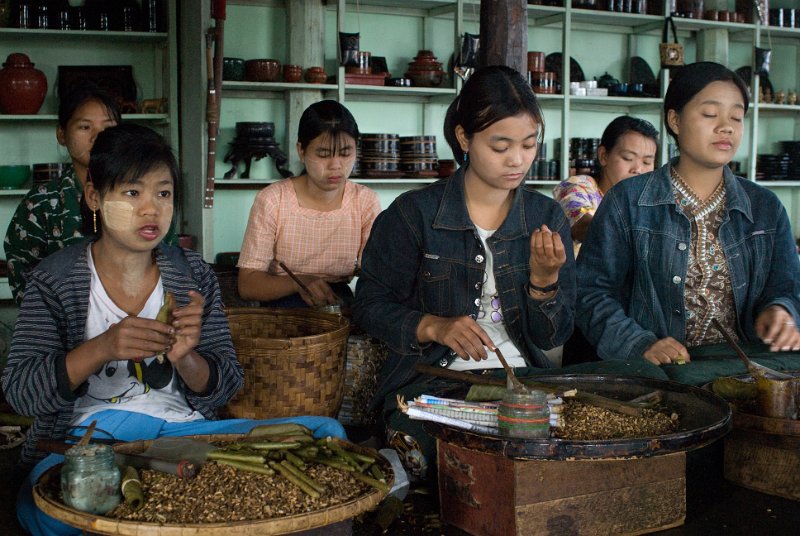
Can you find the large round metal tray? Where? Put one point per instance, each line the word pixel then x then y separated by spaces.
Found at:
pixel 704 418
pixel 279 525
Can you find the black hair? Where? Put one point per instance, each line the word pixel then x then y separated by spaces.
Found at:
pixel 81 93
pixel 691 79
pixel 123 154
pixel 326 117
pixel 490 95
pixel 624 124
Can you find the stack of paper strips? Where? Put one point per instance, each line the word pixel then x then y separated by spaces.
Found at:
pixel 475 416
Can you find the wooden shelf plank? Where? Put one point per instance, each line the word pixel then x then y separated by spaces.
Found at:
pixel 89 35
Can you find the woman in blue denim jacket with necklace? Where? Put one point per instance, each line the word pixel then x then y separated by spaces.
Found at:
pixel 671 250
pixel 476 261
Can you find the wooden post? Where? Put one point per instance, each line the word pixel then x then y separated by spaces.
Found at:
pixel 305 24
pixel 504 33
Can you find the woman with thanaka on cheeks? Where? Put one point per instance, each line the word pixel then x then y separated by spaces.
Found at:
pixel 87 345
pixel 671 250
pixel 316 223
pixel 474 262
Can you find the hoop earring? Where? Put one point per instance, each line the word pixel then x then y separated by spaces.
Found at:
pixel 94 221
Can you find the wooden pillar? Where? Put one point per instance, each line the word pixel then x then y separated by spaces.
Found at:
pixel 712 45
pixel 504 33
pixel 305 29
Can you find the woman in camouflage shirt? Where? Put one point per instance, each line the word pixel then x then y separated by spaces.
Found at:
pixel 49 217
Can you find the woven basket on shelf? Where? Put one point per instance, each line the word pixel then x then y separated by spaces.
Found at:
pixel 293 360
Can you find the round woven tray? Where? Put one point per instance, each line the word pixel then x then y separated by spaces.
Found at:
pixel 279 525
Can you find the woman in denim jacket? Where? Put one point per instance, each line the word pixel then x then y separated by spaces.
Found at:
pixel 478 260
pixel 671 250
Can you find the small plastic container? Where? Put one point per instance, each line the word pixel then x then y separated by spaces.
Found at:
pixel 401 483
pixel 90 479
pixel 525 415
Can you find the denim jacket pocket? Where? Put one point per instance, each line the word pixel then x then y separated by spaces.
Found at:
pixel 756 248
pixel 435 289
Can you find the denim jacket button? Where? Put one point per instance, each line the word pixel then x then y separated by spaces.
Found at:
pixel 676 279
pixel 477 286
pixel 682 246
pixel 479 258
pixel 426 274
pixel 477 302
pixel 443 362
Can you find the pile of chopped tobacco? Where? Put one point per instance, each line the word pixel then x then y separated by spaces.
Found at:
pixel 220 493
pixel 586 422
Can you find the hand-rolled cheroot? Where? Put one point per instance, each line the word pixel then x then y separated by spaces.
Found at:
pixel 165 316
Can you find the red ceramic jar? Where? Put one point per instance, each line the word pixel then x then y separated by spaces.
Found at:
pixel 316 75
pixel 22 88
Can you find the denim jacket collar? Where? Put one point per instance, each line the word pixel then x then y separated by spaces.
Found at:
pixel 453 213
pixel 658 190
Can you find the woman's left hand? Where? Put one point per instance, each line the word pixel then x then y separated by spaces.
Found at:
pixel 547 256
pixel 776 327
pixel 188 323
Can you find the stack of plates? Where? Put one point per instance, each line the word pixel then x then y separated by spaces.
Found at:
pixel 418 156
pixel 44 173
pixel 792 148
pixel 380 155
pixel 771 167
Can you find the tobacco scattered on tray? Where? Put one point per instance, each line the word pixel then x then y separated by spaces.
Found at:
pixel 221 493
pixel 585 422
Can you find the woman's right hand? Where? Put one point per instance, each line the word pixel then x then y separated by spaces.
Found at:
pixel 667 351
pixel 320 292
pixel 136 338
pixel 461 334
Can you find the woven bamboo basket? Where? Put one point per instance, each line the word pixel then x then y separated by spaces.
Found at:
pixel 293 360
pixel 96 524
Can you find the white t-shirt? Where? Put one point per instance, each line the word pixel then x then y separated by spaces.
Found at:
pixel 490 318
pixel 146 387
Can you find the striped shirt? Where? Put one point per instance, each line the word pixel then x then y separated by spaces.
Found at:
pixel 52 322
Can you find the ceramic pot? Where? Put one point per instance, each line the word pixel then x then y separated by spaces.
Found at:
pixel 262 70
pixel 316 75
pixel 22 87
pixel 292 73
pixel 422 78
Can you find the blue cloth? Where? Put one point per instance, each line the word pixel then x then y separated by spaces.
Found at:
pixel 129 426
pixel 633 263
pixel 424 256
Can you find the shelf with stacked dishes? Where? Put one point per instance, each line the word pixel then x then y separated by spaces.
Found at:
pixel 152 56
pixel 277 90
pixel 52 118
pixel 85 35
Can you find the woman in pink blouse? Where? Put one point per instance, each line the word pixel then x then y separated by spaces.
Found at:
pixel 316 223
pixel 628 148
